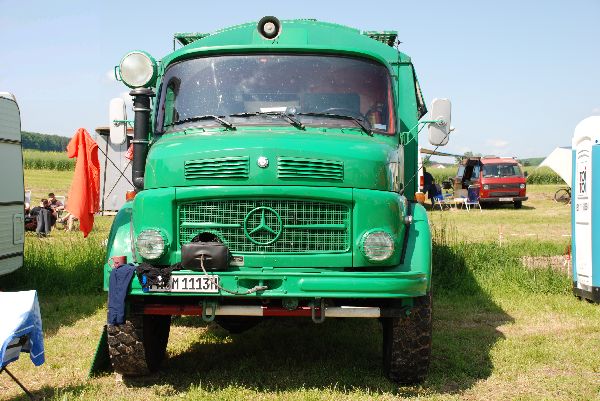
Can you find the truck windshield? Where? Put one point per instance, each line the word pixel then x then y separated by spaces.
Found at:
pixel 502 170
pixel 264 85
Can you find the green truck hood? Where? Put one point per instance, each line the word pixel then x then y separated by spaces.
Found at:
pixel 315 157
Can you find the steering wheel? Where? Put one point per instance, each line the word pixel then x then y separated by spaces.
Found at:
pixel 345 111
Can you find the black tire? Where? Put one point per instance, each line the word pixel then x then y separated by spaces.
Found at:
pixel 518 204
pixel 237 324
pixel 562 196
pixel 138 346
pixel 407 343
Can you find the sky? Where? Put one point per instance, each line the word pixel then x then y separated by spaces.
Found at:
pixel 520 74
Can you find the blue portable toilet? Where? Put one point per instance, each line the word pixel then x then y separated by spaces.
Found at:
pixel 585 215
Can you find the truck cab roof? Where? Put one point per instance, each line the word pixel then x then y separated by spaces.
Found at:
pixel 298 35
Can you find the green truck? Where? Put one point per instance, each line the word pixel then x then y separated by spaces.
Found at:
pixel 274 165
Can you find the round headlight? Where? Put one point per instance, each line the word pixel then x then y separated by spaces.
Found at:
pixel 486 187
pixel 151 244
pixel 138 69
pixel 522 186
pixel 377 246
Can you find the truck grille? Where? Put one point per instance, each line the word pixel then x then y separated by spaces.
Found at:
pixel 504 186
pixel 316 169
pixel 224 167
pixel 271 226
pixel 502 194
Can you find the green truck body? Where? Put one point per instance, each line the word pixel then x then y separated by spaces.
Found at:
pixel 295 227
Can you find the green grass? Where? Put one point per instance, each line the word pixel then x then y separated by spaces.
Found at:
pixel 540 219
pixel 543 176
pixel 42 182
pixel 501 330
pixel 64 262
pixel 39 160
pixel 442 174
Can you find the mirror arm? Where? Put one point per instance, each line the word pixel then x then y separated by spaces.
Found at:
pixel 405 136
pixel 119 122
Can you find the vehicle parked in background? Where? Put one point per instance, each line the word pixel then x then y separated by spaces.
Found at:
pixel 12 216
pixel 500 179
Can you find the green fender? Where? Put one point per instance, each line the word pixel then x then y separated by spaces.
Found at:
pixel 120 241
pixel 418 248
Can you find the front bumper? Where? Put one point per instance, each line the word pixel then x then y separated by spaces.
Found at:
pixel 294 284
pixel 498 200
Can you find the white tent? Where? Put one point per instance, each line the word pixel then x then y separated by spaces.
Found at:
pixel 561 161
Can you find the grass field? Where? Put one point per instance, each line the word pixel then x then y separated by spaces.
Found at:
pixel 39 160
pixel 502 330
pixel 536 175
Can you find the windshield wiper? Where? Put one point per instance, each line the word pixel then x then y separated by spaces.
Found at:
pixel 224 123
pixel 363 124
pixel 290 118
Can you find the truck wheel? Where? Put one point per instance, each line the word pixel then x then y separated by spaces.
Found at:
pixel 138 346
pixel 518 204
pixel 407 343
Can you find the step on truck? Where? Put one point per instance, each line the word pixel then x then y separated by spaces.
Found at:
pixel 274 166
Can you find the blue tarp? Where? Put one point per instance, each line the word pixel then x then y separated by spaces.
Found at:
pixel 20 316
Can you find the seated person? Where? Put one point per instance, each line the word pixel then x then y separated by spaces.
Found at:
pixel 68 220
pixel 45 218
pixel 55 204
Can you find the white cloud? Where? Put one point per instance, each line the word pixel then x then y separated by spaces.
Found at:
pixel 109 77
pixel 497 143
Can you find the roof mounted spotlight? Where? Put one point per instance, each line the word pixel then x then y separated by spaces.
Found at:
pixel 137 69
pixel 269 27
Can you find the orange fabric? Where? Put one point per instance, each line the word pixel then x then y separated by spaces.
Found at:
pixel 129 153
pixel 84 195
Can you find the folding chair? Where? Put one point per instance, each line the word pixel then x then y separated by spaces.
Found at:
pixel 63 200
pixel 13 349
pixel 28 197
pixel 20 330
pixel 438 200
pixel 473 197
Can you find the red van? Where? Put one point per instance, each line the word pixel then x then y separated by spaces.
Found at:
pixel 500 179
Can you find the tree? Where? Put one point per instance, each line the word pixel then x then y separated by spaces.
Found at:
pixel 37 141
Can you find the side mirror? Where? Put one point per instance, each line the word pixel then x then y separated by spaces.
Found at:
pixel 526 174
pixel 439 131
pixel 117 124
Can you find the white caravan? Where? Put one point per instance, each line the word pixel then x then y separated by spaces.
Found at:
pixel 12 229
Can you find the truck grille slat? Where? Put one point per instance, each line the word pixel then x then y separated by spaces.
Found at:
pixel 299 168
pixel 225 167
pixel 305 226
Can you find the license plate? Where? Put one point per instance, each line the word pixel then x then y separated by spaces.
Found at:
pixel 506 199
pixel 189 283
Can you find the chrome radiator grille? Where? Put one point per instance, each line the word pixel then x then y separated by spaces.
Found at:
pixel 269 226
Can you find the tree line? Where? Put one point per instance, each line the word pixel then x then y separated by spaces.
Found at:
pixel 37 141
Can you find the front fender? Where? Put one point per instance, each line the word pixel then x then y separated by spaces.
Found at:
pixel 417 257
pixel 120 239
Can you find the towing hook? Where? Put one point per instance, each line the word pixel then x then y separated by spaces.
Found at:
pixel 213 310
pixel 313 313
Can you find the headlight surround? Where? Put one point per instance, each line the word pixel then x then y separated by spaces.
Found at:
pixel 522 186
pixel 138 69
pixel 151 244
pixel 377 246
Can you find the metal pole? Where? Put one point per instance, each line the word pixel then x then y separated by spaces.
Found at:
pixel 18 382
